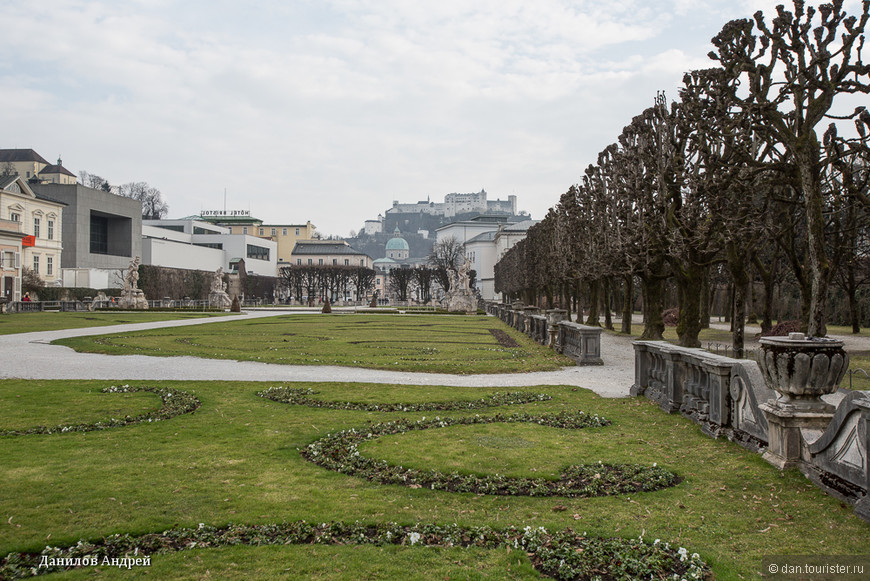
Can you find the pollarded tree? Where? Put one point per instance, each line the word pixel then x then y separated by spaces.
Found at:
pixel 401 280
pixel 793 70
pixel 424 277
pixel 363 280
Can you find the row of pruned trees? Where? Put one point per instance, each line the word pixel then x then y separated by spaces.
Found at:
pixel 741 174
pixel 313 283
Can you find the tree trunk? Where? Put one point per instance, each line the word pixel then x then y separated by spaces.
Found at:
pixel 594 303
pixel 689 292
pixel 653 295
pixel 605 302
pixel 807 155
pixel 852 290
pixel 627 303
pixel 705 298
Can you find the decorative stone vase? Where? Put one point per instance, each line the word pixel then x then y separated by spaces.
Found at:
pixel 802 369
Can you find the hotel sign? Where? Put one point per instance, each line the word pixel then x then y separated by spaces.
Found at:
pixel 225 213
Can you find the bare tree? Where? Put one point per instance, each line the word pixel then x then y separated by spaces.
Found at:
pixel 793 71
pixel 153 206
pixel 401 280
pixel 92 180
pixel 446 255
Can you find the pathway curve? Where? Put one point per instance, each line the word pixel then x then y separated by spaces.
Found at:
pixel 31 356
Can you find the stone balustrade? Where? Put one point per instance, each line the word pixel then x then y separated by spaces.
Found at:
pixel 729 398
pixel 580 342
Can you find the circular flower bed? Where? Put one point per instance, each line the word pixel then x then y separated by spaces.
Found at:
pixel 340 452
pixel 175 402
pixel 302 396
pixel 560 554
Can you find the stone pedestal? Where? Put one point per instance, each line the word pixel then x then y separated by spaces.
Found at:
pixel 788 429
pixel 800 370
pixel 219 299
pixel 133 299
pixel 554 317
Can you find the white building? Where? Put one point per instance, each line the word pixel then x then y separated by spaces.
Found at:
pixel 485 239
pixel 455 204
pixel 198 245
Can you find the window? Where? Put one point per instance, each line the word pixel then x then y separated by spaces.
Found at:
pixel 99 234
pixel 334 262
pixel 297 231
pixel 362 261
pixel 258 252
pixel 298 261
pixel 15 216
pixel 320 262
pixel 244 229
pixel 284 231
pixel 309 261
pixel 274 231
pixel 346 262
pixel 49 266
pixel 51 229
pixel 261 231
pixel 36 264
pixel 8 261
pixel 36 227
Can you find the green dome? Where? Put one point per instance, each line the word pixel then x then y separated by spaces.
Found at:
pixel 397 243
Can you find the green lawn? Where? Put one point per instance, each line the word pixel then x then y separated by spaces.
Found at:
pixel 237 460
pixel 446 344
pixel 48 321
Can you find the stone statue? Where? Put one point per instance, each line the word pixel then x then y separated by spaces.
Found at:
pixel 460 297
pixel 132 296
pixel 217 296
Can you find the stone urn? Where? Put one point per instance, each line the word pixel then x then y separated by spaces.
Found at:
pixel 802 369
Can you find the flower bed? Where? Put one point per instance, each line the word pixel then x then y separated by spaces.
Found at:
pixel 561 554
pixel 175 402
pixel 301 396
pixel 340 452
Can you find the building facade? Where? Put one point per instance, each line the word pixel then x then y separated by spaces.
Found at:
pixel 328 253
pixel 102 233
pixel 285 237
pixel 198 245
pixel 32 166
pixel 40 219
pixel 10 260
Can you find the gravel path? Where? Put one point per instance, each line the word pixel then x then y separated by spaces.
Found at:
pixel 31 356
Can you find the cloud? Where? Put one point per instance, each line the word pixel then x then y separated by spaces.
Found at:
pixel 328 110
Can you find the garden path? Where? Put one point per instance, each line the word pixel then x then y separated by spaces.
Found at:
pixel 31 356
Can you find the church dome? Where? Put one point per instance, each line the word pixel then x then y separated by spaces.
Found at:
pixel 398 243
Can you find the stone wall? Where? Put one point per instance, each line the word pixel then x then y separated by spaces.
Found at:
pixel 580 342
pixel 728 398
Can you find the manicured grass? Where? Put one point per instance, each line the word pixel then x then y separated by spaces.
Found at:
pixel 40 403
pixel 29 322
pixel 445 344
pixel 237 459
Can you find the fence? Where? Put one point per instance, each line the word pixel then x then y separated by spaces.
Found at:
pixel 725 397
pixel 580 342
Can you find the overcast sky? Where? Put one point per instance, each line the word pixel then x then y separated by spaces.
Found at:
pixel 328 110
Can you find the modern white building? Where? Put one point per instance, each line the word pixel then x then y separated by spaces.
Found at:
pixel 198 245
